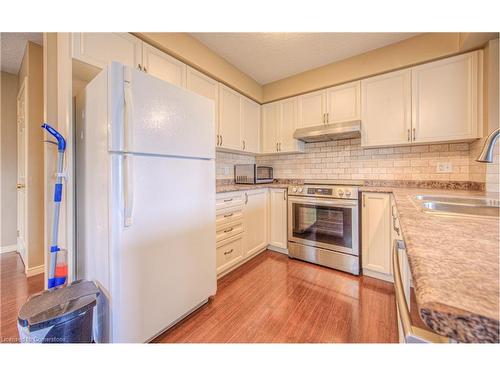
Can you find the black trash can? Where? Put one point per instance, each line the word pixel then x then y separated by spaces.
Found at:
pixel 62 315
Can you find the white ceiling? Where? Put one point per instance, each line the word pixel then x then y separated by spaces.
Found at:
pixel 12 49
pixel 267 57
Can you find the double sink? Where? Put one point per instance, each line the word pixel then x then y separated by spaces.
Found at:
pixel 461 206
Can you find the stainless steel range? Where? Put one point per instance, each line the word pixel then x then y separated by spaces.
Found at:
pixel 323 226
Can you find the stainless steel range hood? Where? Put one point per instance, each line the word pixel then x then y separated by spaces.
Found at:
pixel 330 132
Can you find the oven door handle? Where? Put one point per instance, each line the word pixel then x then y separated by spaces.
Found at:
pixel 326 202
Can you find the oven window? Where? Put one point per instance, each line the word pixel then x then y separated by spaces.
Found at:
pixel 329 225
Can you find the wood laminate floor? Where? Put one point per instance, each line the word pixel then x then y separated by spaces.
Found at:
pixel 274 299
pixel 15 288
pixel 270 299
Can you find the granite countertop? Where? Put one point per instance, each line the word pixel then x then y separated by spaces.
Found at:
pixel 234 187
pixel 454 262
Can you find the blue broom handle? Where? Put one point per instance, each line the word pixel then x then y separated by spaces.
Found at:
pixel 61 146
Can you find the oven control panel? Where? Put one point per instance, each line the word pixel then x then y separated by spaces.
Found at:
pixel 342 192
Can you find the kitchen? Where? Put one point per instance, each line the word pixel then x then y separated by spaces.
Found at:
pixel 354 200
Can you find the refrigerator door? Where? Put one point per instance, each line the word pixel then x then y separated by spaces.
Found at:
pixel 151 116
pixel 162 244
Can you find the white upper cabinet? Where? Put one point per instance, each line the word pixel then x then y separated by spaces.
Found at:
pixel 344 102
pixel 163 66
pixel 336 104
pixel 279 121
pixel 270 127
pixel 250 113
pixel 239 121
pixel 446 99
pixel 229 118
pixel 386 109
pixel 99 49
pixel 205 86
pixel 312 109
pixel 288 125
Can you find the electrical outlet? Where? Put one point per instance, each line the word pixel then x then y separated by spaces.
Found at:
pixel 444 167
pixel 226 171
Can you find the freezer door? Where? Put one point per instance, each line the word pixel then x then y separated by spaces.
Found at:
pixel 163 242
pixel 151 116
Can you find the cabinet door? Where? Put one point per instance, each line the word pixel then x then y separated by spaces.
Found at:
pixel 205 86
pixel 288 125
pixel 250 125
pixel 229 253
pixel 163 66
pixel 99 49
pixel 344 102
pixel 376 233
pixel 445 99
pixel 277 218
pixel 229 118
pixel 270 127
pixel 312 108
pixel 254 221
pixel 386 109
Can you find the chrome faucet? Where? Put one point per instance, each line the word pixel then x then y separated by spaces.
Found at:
pixel 486 155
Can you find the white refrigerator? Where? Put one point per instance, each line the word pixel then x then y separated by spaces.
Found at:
pixel 145 188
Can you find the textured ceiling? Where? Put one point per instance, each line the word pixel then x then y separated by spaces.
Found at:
pixel 12 49
pixel 267 57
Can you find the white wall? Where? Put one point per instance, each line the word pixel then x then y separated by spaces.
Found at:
pixel 8 136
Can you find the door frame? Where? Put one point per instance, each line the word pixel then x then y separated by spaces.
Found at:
pixel 23 92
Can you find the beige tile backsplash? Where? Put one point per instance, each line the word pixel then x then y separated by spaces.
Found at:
pixel 485 172
pixel 346 159
pixel 225 162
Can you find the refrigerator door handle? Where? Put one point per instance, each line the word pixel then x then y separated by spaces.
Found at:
pixel 128 191
pixel 129 110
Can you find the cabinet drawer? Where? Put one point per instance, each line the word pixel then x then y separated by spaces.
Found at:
pixel 230 215
pixel 228 230
pixel 227 200
pixel 229 253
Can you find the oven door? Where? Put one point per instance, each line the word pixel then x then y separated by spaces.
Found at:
pixel 331 224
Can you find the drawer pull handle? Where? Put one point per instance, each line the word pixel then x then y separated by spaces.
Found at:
pixel 228 252
pixel 229 215
pixel 228 230
pixel 228 200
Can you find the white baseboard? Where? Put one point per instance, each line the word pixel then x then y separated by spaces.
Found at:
pixel 35 270
pixel 278 249
pixel 378 275
pixel 8 249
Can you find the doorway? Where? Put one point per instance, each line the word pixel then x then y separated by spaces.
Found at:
pixel 21 185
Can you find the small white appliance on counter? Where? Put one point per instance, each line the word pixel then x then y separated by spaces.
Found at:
pixel 145 201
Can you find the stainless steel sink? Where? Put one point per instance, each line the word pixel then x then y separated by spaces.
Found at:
pixel 466 206
pixel 460 200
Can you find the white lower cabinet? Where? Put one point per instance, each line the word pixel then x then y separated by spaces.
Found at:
pixel 247 222
pixel 229 253
pixel 255 221
pixel 278 219
pixel 376 235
